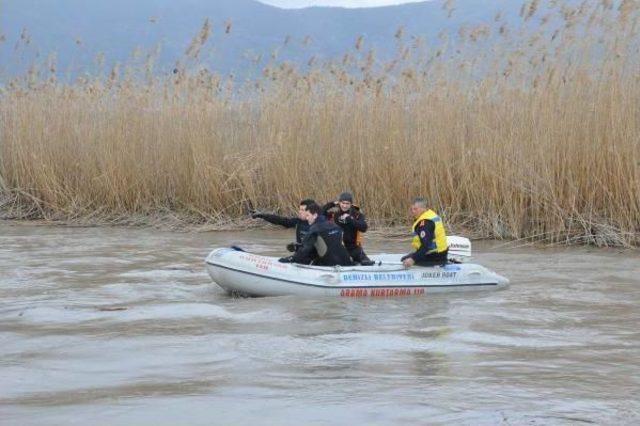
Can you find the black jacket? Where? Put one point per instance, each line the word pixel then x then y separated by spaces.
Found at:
pixel 353 224
pixel 323 244
pixel 426 232
pixel 302 226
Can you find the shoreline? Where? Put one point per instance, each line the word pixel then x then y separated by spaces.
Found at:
pixel 184 224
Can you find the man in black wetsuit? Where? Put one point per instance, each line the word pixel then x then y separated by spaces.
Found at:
pixel 299 222
pixel 348 216
pixel 323 243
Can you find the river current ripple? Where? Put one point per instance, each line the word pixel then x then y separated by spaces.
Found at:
pixel 124 326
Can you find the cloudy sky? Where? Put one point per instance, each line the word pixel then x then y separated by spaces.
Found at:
pixel 296 4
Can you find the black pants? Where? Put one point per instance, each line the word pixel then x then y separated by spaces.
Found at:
pixel 433 259
pixel 358 255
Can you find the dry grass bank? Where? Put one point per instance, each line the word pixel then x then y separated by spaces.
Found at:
pixel 532 136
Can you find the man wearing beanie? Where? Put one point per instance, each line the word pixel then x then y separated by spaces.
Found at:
pixel 353 223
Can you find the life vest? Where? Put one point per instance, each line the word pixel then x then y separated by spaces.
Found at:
pixel 359 238
pixel 439 242
pixel 359 235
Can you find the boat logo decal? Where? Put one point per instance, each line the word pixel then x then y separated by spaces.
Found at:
pixel 439 274
pixel 460 246
pixel 381 292
pixel 261 262
pixel 380 276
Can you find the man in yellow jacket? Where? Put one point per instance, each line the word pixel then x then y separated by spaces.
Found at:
pixel 429 240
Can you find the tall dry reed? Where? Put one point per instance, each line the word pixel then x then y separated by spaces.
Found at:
pixel 512 133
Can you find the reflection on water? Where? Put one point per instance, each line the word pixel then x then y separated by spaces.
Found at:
pixel 123 326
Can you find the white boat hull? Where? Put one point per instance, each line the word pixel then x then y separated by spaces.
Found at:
pixel 254 275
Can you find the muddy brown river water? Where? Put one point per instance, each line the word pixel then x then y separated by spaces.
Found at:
pixel 116 326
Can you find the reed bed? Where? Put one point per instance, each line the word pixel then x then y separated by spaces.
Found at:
pixel 511 133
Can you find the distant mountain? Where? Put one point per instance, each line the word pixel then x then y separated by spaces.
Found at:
pixel 78 30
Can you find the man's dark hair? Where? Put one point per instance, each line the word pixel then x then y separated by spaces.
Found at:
pixel 314 208
pixel 307 202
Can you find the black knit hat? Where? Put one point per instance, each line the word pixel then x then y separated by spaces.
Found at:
pixel 346 196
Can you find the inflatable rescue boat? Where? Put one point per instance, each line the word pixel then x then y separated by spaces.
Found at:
pixel 244 273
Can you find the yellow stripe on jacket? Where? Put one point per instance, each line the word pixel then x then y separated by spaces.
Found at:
pixel 439 243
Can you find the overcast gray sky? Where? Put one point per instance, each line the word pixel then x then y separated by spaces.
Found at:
pixel 295 4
